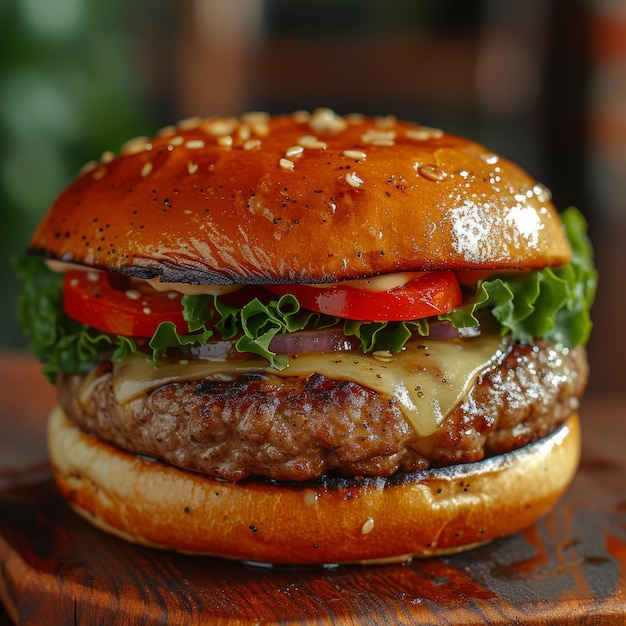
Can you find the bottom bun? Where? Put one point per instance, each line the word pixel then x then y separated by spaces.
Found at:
pixel 423 513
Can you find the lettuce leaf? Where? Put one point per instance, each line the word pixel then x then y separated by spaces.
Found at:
pixel 59 342
pixel 552 303
pixel 255 324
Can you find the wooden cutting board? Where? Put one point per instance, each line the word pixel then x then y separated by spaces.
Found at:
pixel 55 568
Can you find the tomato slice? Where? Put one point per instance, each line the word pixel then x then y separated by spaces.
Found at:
pixel 105 301
pixel 427 294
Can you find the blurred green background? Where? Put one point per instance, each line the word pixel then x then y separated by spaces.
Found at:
pixel 542 82
pixel 70 88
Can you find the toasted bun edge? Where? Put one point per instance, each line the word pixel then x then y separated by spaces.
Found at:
pixel 289 199
pixel 437 511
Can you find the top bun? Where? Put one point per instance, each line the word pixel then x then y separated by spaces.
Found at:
pixel 301 198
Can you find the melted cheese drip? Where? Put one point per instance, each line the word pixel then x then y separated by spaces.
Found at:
pixel 428 378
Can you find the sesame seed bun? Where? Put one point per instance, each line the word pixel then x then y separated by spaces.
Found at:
pixel 423 513
pixel 301 198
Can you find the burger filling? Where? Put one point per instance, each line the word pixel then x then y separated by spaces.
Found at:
pixel 369 377
pixel 301 427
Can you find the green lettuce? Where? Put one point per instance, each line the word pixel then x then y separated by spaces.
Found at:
pixel 255 324
pixel 551 303
pixel 60 343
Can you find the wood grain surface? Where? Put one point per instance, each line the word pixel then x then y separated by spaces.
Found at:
pixel 569 568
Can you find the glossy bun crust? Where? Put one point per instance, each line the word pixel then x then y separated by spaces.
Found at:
pixel 301 198
pixel 420 514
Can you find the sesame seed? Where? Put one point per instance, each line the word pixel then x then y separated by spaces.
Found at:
pixel 423 133
pixel 368 526
pixel 107 157
pixel 99 173
pixel 133 294
pixel 383 355
pixel 192 168
pixel 294 151
pixel 301 116
pixel 311 142
pixel 542 192
pixel 179 140
pixel 358 155
pixel 432 172
pixel 355 118
pixel 226 141
pixel 147 310
pixel 244 132
pixel 261 130
pixel 195 144
pixel 378 137
pixel 353 180
pixel 166 130
pixel 489 158
pixel 255 118
pixel 93 277
pixel 90 166
pixel 322 115
pixel 251 144
pixel 133 146
pixel 146 169
pixel 222 126
pixel 386 121
pixel 189 123
pixel 187 212
pixel 326 120
pixel 286 164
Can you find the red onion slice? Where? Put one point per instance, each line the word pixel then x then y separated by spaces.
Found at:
pixel 324 340
pixel 445 330
pixel 312 341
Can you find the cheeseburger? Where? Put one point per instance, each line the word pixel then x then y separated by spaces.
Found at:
pixel 310 339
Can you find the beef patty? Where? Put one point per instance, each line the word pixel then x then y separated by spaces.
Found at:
pixel 302 427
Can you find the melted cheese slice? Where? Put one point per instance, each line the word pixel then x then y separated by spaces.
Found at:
pixel 428 378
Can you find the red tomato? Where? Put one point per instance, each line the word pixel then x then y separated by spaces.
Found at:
pixel 425 295
pixel 104 301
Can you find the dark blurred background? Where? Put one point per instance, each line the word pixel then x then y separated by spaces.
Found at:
pixel 542 82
